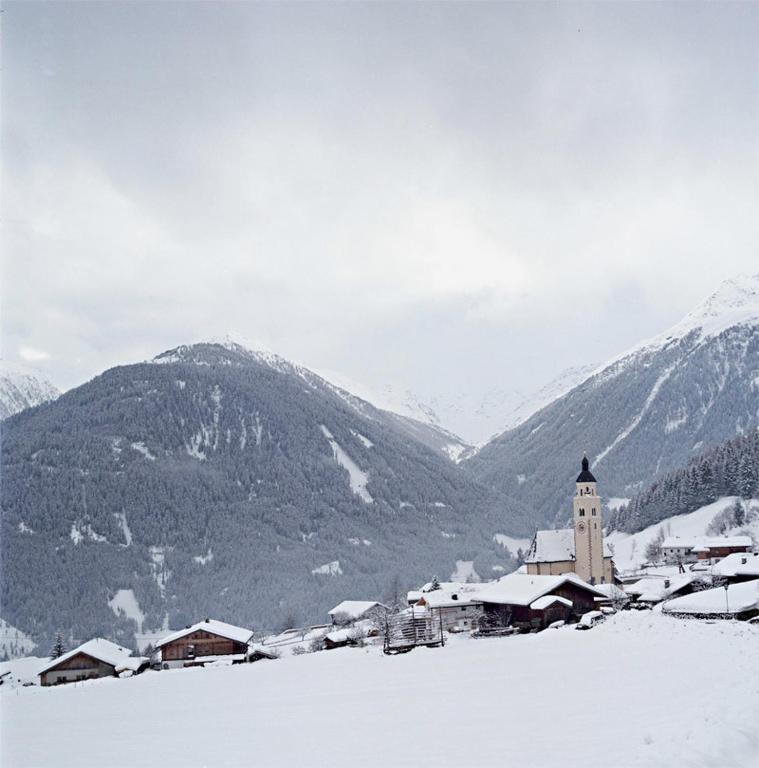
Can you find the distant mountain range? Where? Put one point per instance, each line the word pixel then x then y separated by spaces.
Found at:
pixel 21 389
pixel 643 414
pixel 476 418
pixel 215 480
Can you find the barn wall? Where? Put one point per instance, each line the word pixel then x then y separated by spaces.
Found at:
pixel 79 667
pixel 200 643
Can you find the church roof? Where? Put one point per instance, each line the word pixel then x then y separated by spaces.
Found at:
pixel 555 546
pixel 586 476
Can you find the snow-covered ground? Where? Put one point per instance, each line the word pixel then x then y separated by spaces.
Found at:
pixel 640 690
pixel 630 549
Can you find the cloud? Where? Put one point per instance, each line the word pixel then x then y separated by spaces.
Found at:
pixel 32 354
pixel 379 191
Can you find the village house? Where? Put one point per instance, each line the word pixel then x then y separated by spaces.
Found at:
pixel 580 549
pixel 529 601
pixel 204 642
pixel 740 566
pixel 690 549
pixel 355 610
pixel 95 658
pixel 458 608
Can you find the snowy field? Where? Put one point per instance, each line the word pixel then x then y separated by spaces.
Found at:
pixel 642 689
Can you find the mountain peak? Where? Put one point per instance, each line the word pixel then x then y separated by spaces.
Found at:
pixel 227 350
pixel 735 302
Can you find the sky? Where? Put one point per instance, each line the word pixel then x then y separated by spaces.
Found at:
pixel 460 199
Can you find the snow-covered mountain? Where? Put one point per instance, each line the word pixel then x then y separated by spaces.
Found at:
pixel 216 479
pixel 21 389
pixel 644 413
pixel 476 417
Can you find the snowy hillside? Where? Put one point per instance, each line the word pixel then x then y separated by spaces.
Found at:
pixel 629 549
pixel 21 389
pixel 662 692
pixel 644 414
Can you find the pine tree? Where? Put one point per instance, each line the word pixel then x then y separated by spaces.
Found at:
pixel 739 515
pixel 58 648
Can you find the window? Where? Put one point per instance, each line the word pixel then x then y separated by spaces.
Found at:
pixel 582 513
pixel 593 511
pixel 587 490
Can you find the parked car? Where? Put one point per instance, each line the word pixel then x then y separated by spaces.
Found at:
pixel 590 619
pixel 557 624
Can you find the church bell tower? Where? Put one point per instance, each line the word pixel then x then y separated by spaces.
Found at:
pixel 588 528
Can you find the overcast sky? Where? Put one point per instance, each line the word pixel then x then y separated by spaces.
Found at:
pixel 448 197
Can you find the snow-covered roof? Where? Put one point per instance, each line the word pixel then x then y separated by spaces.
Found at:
pixel 555 546
pixel 739 597
pixel 220 628
pixel 654 589
pixel 543 602
pixel 682 542
pixel 340 636
pixel 738 564
pixel 442 598
pixel 704 543
pixel 103 650
pixel 354 609
pixel 524 589
pixel 729 541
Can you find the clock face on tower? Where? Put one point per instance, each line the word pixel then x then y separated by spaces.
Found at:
pixel 581 527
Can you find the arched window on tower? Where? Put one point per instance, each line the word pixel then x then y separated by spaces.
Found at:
pixel 582 513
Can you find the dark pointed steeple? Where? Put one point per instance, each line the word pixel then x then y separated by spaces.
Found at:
pixel 586 476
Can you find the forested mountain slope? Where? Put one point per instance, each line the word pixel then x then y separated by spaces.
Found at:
pixel 730 469
pixel 643 414
pixel 218 481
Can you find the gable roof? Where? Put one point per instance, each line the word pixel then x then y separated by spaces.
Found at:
pixel 524 589
pixel 555 546
pixel 220 628
pixel 654 588
pixel 355 609
pixel 103 650
pixel 443 598
pixel 543 602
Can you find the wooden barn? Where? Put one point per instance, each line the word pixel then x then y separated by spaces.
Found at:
pixel 529 601
pixel 204 642
pixel 95 658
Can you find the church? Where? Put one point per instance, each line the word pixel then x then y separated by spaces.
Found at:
pixel 579 549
